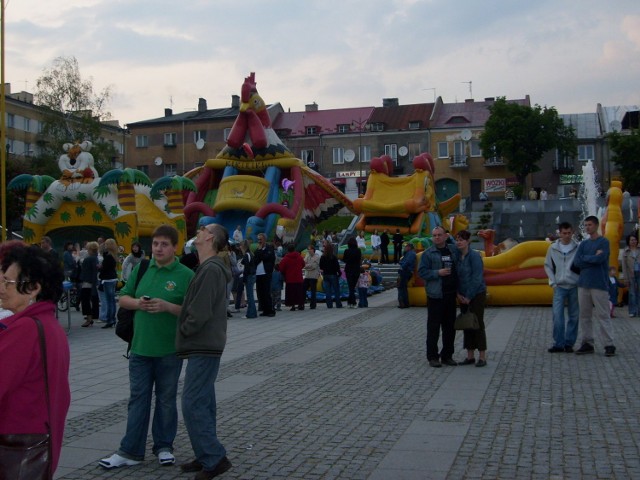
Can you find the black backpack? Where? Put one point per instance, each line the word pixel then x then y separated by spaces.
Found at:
pixel 124 323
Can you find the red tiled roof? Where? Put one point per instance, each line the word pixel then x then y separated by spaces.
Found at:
pixel 326 121
pixel 467 114
pixel 398 117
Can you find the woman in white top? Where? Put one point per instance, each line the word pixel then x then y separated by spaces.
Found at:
pixel 361 241
pixel 375 246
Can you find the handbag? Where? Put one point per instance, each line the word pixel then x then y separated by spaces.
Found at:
pixel 124 316
pixel 467 321
pixel 28 456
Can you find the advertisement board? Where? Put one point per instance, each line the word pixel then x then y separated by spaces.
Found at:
pixel 494 185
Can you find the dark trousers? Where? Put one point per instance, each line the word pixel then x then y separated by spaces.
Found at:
pixel 352 280
pixel 441 316
pixel 263 290
pixel 476 339
pixel 384 254
pixel 311 284
pixel 89 302
pixel 397 252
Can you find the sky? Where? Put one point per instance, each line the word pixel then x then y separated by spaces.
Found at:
pixel 157 54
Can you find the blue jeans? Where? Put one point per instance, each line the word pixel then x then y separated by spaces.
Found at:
pixel 362 297
pixel 331 286
pixel 565 336
pixel 403 291
pixel 144 372
pixel 250 282
pixel 633 295
pixel 199 409
pixel 102 296
pixel 110 299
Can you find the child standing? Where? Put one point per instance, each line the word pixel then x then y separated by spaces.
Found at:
pixel 277 282
pixel 364 280
pixel 614 284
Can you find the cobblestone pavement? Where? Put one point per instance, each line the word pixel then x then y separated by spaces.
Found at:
pixel 355 399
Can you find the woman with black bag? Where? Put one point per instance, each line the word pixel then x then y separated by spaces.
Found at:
pixel 472 296
pixel 34 354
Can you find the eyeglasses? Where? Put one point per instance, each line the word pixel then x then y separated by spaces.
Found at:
pixel 11 282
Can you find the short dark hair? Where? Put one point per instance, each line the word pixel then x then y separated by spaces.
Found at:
pixel 565 226
pixel 592 218
pixel 464 234
pixel 36 267
pixel 167 231
pixel 352 242
pixel 634 235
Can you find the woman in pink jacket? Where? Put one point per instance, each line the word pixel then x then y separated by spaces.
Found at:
pixel 291 267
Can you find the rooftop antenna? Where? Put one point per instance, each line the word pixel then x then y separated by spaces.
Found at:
pixel 434 93
pixel 470 88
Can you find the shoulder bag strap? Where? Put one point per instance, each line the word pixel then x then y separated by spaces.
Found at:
pixel 141 271
pixel 43 352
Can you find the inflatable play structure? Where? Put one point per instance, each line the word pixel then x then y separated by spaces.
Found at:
pixel 80 205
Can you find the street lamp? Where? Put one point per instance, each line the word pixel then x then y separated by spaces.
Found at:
pixel 360 126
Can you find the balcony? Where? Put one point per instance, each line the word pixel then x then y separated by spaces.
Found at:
pixel 458 161
pixel 563 166
pixel 494 162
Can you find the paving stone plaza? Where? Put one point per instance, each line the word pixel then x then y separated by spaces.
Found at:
pixel 348 394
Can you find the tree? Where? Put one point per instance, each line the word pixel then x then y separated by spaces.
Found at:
pixel 627 157
pixel 72 112
pixel 522 135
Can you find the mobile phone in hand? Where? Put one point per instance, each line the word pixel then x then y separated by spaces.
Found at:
pixel 146 297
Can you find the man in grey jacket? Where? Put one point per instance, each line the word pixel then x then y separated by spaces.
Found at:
pixel 563 278
pixel 201 338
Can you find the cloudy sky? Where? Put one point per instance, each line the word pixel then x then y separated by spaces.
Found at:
pixel 570 54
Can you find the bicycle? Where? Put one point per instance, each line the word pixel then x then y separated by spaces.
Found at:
pixel 72 296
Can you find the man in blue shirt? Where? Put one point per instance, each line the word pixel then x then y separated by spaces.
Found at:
pixel 592 258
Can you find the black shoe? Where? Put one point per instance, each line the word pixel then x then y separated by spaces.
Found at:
pixel 555 349
pixel 435 363
pixel 481 363
pixel 609 351
pixel 192 466
pixel 108 325
pixel 568 349
pixel 271 314
pixel 222 466
pixel 468 361
pixel 584 349
pixel 449 362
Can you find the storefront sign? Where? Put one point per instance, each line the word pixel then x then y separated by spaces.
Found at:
pixel 495 185
pixel 349 174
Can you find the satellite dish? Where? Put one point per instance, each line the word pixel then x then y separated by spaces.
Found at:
pixel 158 161
pixel 200 144
pixel 465 135
pixel 615 125
pixel 403 151
pixel 349 156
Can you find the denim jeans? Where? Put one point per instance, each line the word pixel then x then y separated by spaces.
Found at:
pixel 362 297
pixel 633 295
pixel 331 287
pixel 250 282
pixel 403 291
pixel 199 409
pixel 102 296
pixel 110 300
pixel 441 315
pixel 144 372
pixel 565 336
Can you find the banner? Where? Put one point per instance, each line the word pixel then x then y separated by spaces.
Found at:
pixel 495 185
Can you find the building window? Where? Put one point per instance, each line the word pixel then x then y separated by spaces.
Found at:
pixel 338 155
pixel 344 128
pixel 227 132
pixel 9 146
pixel 443 150
pixel 365 153
pixel 585 152
pixel 144 169
pixel 28 150
pixel 27 124
pixel 199 135
pixel 306 156
pixel 377 127
pixel 40 126
pixel 311 130
pixel 414 150
pixel 170 169
pixel 415 125
pixel 142 141
pixel 11 120
pixel 391 149
pixel 475 148
pixel 170 139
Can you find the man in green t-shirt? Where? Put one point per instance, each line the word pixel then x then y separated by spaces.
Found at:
pixel 157 300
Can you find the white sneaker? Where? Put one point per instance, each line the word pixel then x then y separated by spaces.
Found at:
pixel 115 461
pixel 166 458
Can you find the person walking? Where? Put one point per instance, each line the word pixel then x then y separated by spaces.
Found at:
pixel 200 339
pixel 330 268
pixel 592 258
pixel 631 272
pixel 384 247
pixel 154 367
pixel 352 258
pixel 265 259
pixel 405 272
pixel 563 278
pixel 397 245
pixel 311 274
pixel 472 297
pixel 438 270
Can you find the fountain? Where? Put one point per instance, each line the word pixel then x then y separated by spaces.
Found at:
pixel 589 189
pixel 523 208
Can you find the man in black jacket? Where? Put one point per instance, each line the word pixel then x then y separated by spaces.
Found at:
pixel 384 247
pixel 398 239
pixel 265 259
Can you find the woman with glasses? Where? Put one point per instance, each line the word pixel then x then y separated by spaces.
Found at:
pixel 30 285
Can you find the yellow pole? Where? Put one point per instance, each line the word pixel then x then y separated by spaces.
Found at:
pixel 3 139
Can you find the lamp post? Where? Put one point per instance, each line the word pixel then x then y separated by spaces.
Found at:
pixel 359 125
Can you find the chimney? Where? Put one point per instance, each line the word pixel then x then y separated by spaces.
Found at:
pixel 7 88
pixel 235 101
pixel 311 107
pixel 168 112
pixel 390 102
pixel 468 100
pixel 490 99
pixel 202 105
